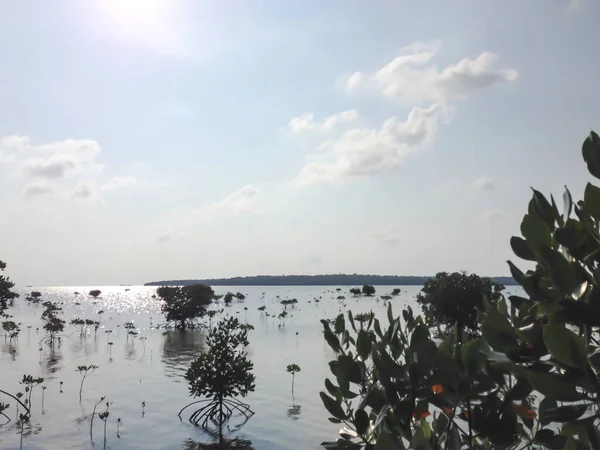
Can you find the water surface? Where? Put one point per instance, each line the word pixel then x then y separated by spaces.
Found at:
pixel 150 370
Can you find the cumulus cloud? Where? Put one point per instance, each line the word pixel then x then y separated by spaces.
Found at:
pixel 239 200
pixel 14 142
pixel 82 190
pixel 483 183
pixel 306 121
pixel 37 189
pixel 360 152
pixel 117 183
pixel 413 76
pixel 55 167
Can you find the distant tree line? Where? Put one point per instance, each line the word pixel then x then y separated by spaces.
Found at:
pixel 316 280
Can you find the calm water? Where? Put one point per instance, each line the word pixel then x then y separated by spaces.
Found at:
pixel 150 370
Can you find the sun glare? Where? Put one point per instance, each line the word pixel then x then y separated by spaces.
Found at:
pixel 135 16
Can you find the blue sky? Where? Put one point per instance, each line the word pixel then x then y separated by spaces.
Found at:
pixel 154 139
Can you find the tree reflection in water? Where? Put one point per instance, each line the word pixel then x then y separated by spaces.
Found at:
pixel 293 412
pixel 180 348
pixel 51 363
pixel 229 444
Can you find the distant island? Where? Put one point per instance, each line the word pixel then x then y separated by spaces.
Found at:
pixel 316 280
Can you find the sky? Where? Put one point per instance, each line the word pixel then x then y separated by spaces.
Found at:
pixel 145 140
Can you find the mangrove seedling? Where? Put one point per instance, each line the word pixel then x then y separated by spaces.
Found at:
pixel 118 427
pixel 221 374
pixel 53 324
pixel 60 385
pixel 4 407
pixel 85 371
pixel 43 392
pixel 293 369
pixel 92 418
pixel 23 419
pixel 95 293
pixel 104 417
pixel 29 382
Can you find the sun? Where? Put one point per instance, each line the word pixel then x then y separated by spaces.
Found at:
pixel 135 16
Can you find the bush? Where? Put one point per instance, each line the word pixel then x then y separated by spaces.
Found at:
pixel 451 298
pixel 368 290
pixel 183 305
pixel 221 374
pixel 530 380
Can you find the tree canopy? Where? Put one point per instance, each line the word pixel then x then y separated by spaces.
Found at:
pixel 452 298
pixel 7 296
pixel 183 305
pixel 368 290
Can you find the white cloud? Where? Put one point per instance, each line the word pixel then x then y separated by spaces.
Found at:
pixel 302 123
pixel 54 167
pixel 371 151
pixel 14 142
pixel 239 200
pixel 412 75
pixel 483 183
pixel 37 189
pixel 81 150
pixel 354 80
pixel 120 183
pixel 344 116
pixel 307 122
pixel 82 190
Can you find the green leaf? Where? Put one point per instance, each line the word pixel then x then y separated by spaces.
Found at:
pixel 565 346
pixel 553 386
pixel 521 248
pixel 331 339
pixel 440 423
pixel 361 421
pixel 340 324
pixel 333 407
pixel 501 307
pixel 384 442
pixel 550 439
pixel 591 200
pixel 536 232
pixel 568 204
pixel 498 332
pixel 363 344
pixel 560 270
pixel 595 359
pixel 454 439
pixel 591 153
pixel 563 414
pixel 543 208
pixel 516 273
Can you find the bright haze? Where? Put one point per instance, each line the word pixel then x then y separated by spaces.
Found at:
pixel 147 140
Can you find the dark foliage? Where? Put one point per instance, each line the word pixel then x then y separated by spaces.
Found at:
pixel 183 305
pixel 368 290
pixel 220 375
pixel 7 296
pixel 452 298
